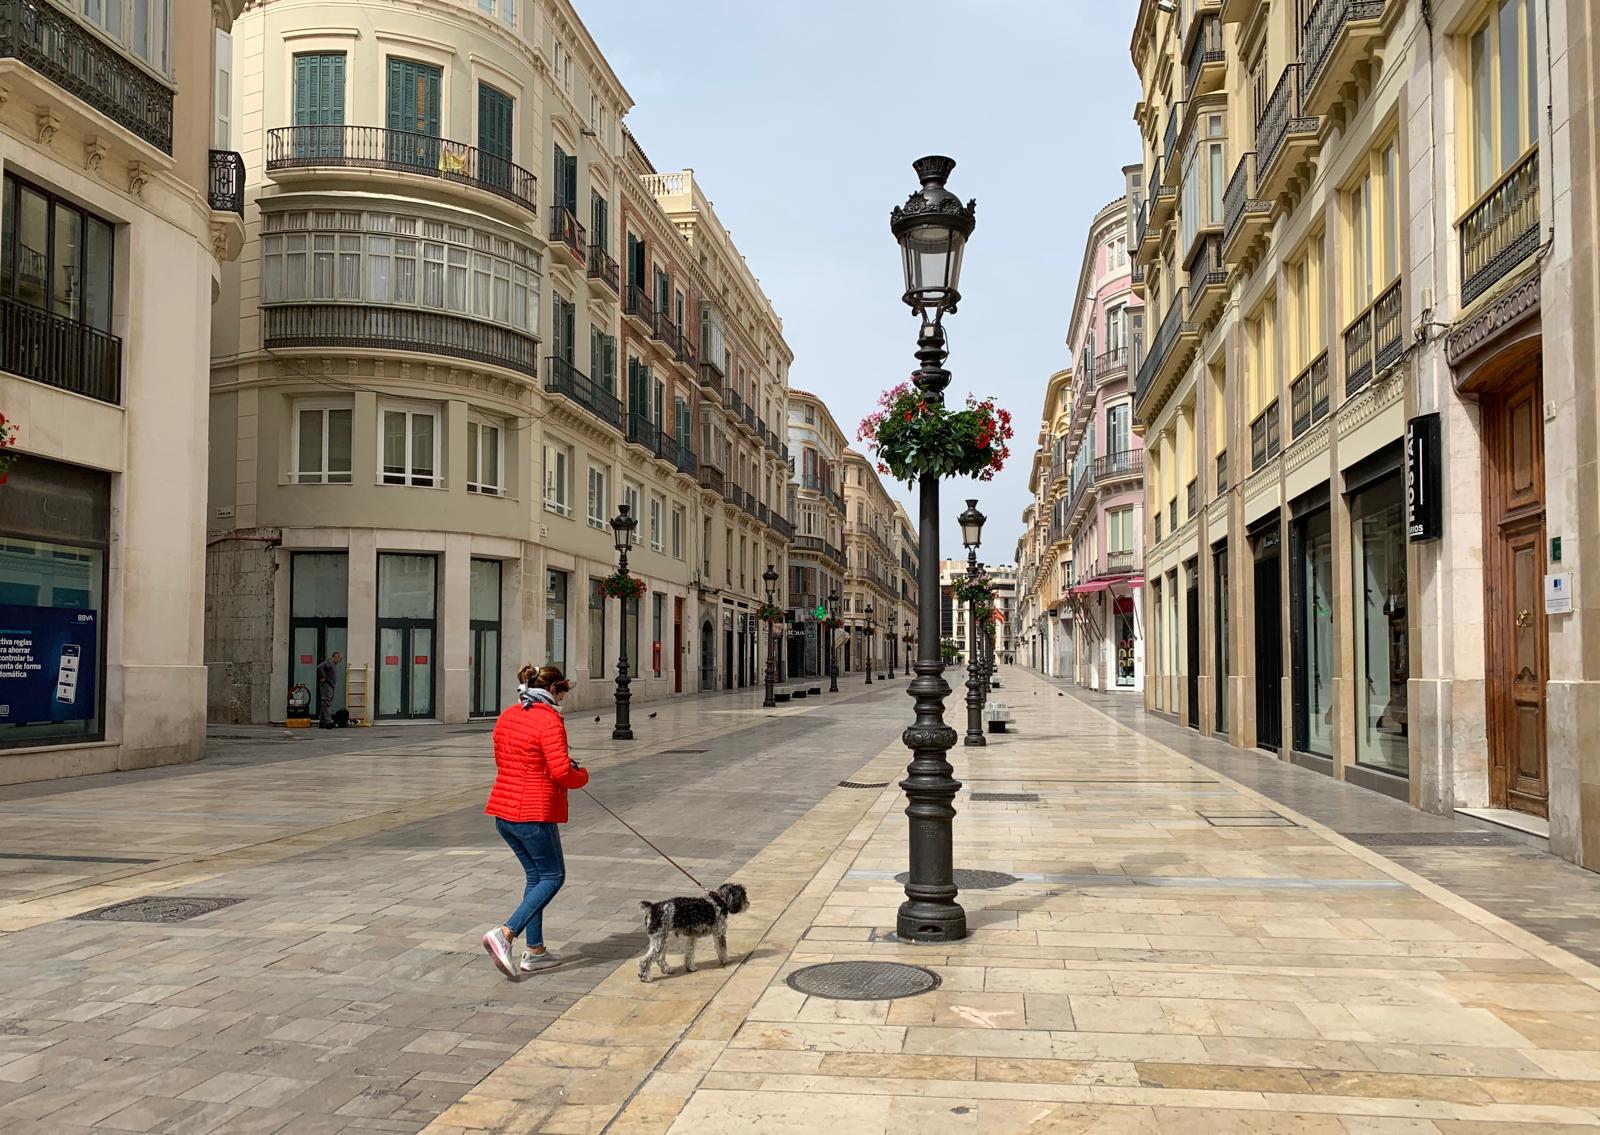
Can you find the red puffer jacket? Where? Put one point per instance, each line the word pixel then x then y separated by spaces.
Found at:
pixel 534 770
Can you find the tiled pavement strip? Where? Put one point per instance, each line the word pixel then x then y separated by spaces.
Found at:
pixel 1174 959
pixel 348 991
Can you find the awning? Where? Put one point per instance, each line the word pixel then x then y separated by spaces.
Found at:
pixel 1092 585
pixel 1124 581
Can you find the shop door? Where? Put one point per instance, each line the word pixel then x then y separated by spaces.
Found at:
pixel 1193 660
pixel 405 671
pixel 1518 650
pixel 483 666
pixel 708 657
pixel 727 652
pixel 312 640
pixel 1269 653
pixel 677 646
pixel 1220 631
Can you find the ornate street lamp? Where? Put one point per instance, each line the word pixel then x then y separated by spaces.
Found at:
pixel 907 640
pixel 622 526
pixel 971 522
pixel 867 654
pixel 833 662
pixel 932 228
pixel 770 578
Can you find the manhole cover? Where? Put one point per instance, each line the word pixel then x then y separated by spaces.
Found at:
pixel 1010 797
pixel 863 981
pixel 972 880
pixel 156 908
pixel 863 784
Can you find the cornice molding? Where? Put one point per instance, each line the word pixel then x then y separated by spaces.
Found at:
pixel 1482 330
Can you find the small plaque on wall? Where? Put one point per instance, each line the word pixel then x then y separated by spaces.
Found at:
pixel 1424 503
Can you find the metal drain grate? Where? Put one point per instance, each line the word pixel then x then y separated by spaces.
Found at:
pixel 1255 820
pixel 863 784
pixel 1010 797
pixel 863 981
pixel 1431 839
pixel 972 880
pixel 156 908
pixel 682 752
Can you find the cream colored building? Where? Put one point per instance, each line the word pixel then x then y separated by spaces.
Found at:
pixel 118 208
pixel 442 366
pixel 1356 216
pixel 817 557
pixel 1046 637
pixel 877 531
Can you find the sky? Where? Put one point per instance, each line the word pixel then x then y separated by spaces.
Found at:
pixel 801 121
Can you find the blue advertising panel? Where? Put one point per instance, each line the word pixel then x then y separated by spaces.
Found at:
pixel 48 664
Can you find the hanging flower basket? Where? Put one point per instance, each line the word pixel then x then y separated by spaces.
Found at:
pixel 977 589
pixel 770 614
pixel 912 438
pixel 983 613
pixel 833 622
pixel 8 438
pixel 618 585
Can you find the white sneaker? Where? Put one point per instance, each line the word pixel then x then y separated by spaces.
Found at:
pixel 499 947
pixel 530 961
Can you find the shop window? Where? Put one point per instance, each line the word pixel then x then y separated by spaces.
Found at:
pixel 1311 596
pixel 54 530
pixel 597 631
pixel 407 634
pixel 322 442
pixel 483 659
pixel 1382 639
pixel 555 619
pixel 657 612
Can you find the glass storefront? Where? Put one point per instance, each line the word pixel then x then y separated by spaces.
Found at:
pixel 597 631
pixel 1123 622
pixel 1382 646
pixel 319 590
pixel 407 631
pixel 1312 598
pixel 1221 634
pixel 483 663
pixel 555 619
pixel 54 530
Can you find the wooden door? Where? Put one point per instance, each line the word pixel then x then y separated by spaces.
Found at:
pixel 1514 566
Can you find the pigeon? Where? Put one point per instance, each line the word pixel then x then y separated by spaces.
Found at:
pixel 1060 695
pixel 652 717
pixel 597 719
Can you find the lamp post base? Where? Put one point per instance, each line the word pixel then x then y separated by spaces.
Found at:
pixel 923 921
pixel 622 734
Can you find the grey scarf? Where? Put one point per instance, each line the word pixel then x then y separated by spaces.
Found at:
pixel 529 697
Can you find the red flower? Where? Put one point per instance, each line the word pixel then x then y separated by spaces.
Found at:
pixel 908 415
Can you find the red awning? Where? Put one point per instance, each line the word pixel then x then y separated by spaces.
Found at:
pixel 1092 585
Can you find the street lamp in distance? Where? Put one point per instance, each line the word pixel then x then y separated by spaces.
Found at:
pixel 833 662
pixel 907 673
pixel 867 654
pixel 770 578
pixel 622 526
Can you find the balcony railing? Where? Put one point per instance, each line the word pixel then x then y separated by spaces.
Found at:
pixel 371 327
pixel 639 306
pixel 663 330
pixel 1191 499
pixel 78 61
pixel 1166 338
pixel 1281 115
pixel 711 478
pixel 1322 29
pixel 782 526
pixel 1204 51
pixel 684 350
pixel 377 147
pixel 736 402
pixel 1172 515
pixel 1123 463
pixel 1222 472
pixel 565 229
pixel 710 379
pixel 1373 342
pixel 604 268
pixel 1174 128
pixel 642 431
pixel 225 189
pixel 59 352
pixel 1308 395
pixel 686 462
pixel 1264 438
pixel 1108 364
pixel 1501 230
pixel 1238 201
pixel 564 378
pixel 1208 270
pixel 1141 223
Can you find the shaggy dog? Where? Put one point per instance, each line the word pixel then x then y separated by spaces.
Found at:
pixel 690 919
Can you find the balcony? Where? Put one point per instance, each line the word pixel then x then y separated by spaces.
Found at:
pixel 683 350
pixel 1245 218
pixel 782 526
pixel 1222 472
pixel 1264 439
pixel 1172 515
pixel 603 270
pixel 1308 395
pixel 1191 499
pixel 564 378
pixel 711 478
pixel 371 327
pixel 1136 280
pixel 59 48
pixel 1285 136
pixel 1206 63
pixel 225 188
pixel 1109 365
pixel 663 330
pixel 1373 342
pixel 711 380
pixel 292 148
pixel 1119 563
pixel 1164 196
pixel 684 460
pixel 643 432
pixel 1208 279
pixel 637 307
pixel 1170 142
pixel 59 352
pixel 1169 351
pixel 1501 230
pixel 1338 39
pixel 566 232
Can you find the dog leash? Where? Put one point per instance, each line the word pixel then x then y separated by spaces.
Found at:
pixel 681 868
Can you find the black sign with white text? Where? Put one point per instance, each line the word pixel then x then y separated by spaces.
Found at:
pixel 1424 504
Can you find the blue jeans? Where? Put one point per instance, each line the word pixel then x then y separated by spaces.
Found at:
pixel 538 847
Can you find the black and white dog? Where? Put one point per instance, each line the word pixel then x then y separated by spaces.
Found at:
pixel 690 919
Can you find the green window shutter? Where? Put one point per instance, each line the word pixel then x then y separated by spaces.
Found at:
pixel 633 386
pixel 569 174
pixel 560 172
pixel 494 121
pixel 599 221
pixel 413 97
pixel 661 389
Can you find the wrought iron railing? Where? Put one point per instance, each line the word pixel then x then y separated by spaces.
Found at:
pixel 1501 230
pixel 57 46
pixel 565 229
pixel 371 326
pixel 1323 27
pixel 1373 341
pixel 1191 499
pixel 685 459
pixel 638 304
pixel 782 526
pixel 663 330
pixel 1174 128
pixel 1207 270
pixel 683 349
pixel 603 267
pixel 1108 364
pixel 1205 50
pixel 1141 224
pixel 1118 563
pixel 1222 472
pixel 225 182
pixel 1123 463
pixel 1265 441
pixel 642 431
pixel 377 147
pixel 564 378
pixel 1281 115
pixel 711 477
pixel 710 379
pixel 60 352
pixel 1238 201
pixel 1172 325
pixel 1308 395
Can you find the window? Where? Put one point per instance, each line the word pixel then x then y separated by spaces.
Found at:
pixel 555 619
pixel 631 496
pixel 485 458
pixel 1307 338
pixel 399 261
pixel 677 533
pixel 222 95
pixel 1119 530
pixel 1118 432
pixel 141 26
pixel 413 108
pixel 599 221
pixel 656 508
pixel 1503 92
pixel 811 415
pixel 558 479
pixel 1374 217
pixel 410 445
pixel 657 603
pixel 56 257
pixel 322 443
pixel 597 630
pixel 1204 182
pixel 597 498
pixel 495 132
pixel 603 359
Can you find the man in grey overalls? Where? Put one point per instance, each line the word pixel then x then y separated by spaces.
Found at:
pixel 327 677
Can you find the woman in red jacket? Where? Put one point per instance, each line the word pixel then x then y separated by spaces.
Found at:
pixel 528 802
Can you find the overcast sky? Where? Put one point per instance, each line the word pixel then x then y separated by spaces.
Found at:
pixel 801 120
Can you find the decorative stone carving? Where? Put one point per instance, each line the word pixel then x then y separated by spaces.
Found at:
pixel 1472 335
pixel 94 154
pixel 138 178
pixel 48 126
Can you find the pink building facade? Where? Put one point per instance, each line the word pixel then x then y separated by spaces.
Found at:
pixel 1102 508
